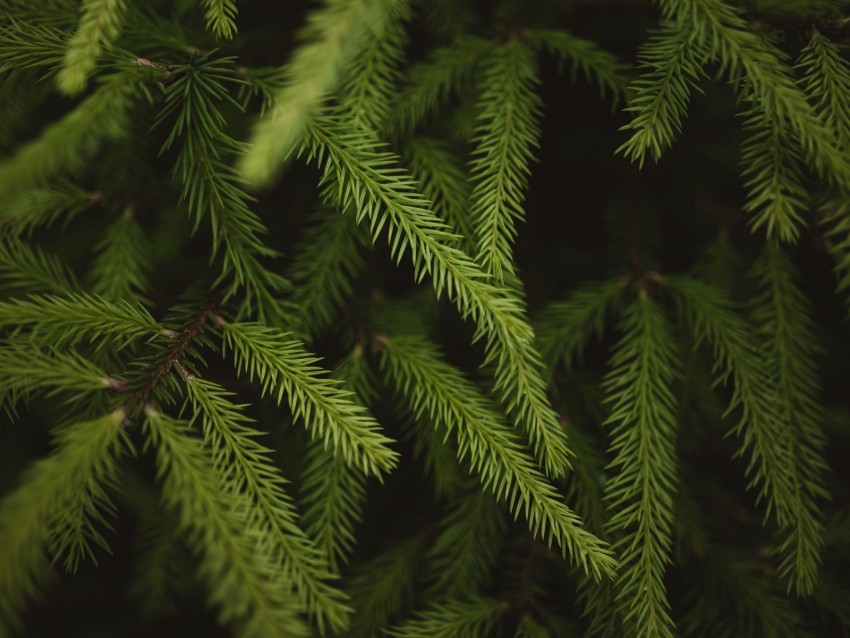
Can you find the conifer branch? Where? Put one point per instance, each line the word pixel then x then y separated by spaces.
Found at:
pixel 386 195
pixel 564 328
pixel 327 260
pixel 776 192
pixel 507 133
pixel 239 574
pixel 454 619
pixel 383 587
pixel 467 548
pixel 430 83
pixel 333 501
pixel 66 145
pixel 210 186
pixel 332 35
pixel 530 628
pixel 246 470
pixel 752 62
pixel 25 46
pixel 120 269
pixel 738 359
pixel 372 74
pixel 444 182
pixel 100 26
pixel 435 388
pixel 660 96
pixel 783 317
pixel 333 493
pixel 42 207
pixel 220 17
pixel 583 55
pixel 639 390
pixel 753 606
pixel 827 84
pixel 18 98
pixel 68 318
pixel 26 368
pixel 285 370
pixel 52 508
pixel 438 455
pixel 25 268
pixel 157 564
pixel 836 223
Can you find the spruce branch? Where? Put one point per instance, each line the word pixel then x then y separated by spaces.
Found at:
pixel 55 507
pixel 564 328
pixel 639 391
pixel 25 268
pixel 383 587
pixel 372 74
pixel 245 469
pixel 99 27
pixel 583 55
pixel 209 185
pixel 26 368
pixel 507 134
pixel 438 455
pixel 157 566
pixel 783 316
pixel 239 574
pixel 444 181
pixel 333 493
pixel 334 496
pixel 836 224
pixel 741 361
pixel 25 46
pixel 42 207
pixel 776 194
pixel 121 267
pixel 429 84
pixel 467 548
pixel 495 455
pixel 827 84
pixel 750 604
pixel 332 35
pixel 529 628
pixel 220 16
pixel 356 175
pixel 284 369
pixel 69 318
pixel 754 63
pixel 327 260
pixel 454 619
pixel 66 145
pixel 659 100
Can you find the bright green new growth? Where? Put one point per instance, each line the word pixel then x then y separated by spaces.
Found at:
pixel 99 25
pixel 65 145
pixel 333 33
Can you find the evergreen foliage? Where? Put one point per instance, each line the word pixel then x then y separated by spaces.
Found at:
pixel 370 318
